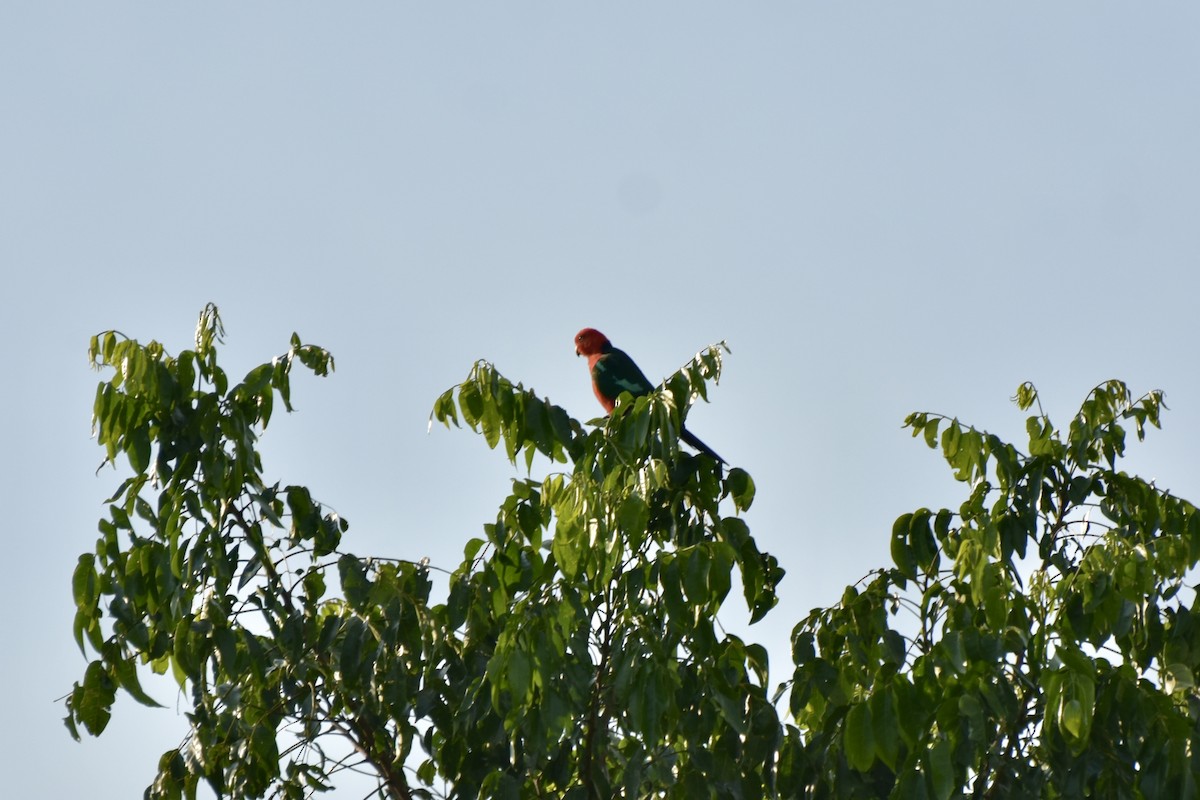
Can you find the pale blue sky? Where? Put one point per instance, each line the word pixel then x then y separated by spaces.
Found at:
pixel 882 207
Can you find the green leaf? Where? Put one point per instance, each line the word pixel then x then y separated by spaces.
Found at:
pixel 931 431
pixel 350 653
pixel 444 410
pixel 765 597
pixel 519 676
pixel 252 568
pixel 356 586
pixel 126 672
pixel 995 596
pixel 1072 719
pixel 941 523
pixel 305 515
pixel 672 594
pixel 1179 677
pixel 924 546
pixel 69 721
pixel 226 641
pixel 733 711
pixel 740 486
pixel 137 447
pixel 470 400
pixel 83 583
pixel 471 548
pixel 1071 699
pixel 1026 396
pixel 902 553
pixel 885 728
pixel 951 438
pixel 314 586
pixel 92 702
pixel 757 660
pixel 567 546
pixel 971 710
pixel 258 379
pixel 695 575
pixel 633 515
pixel 941 770
pixel 859 737
pixel 490 422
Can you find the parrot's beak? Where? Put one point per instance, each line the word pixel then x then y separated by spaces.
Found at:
pixel 577 353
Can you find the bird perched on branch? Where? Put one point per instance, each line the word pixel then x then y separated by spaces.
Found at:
pixel 613 372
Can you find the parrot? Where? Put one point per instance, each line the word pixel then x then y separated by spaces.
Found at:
pixel 613 372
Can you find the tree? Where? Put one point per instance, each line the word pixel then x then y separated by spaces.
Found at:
pixel 1048 646
pixel 575 654
pixel 1037 641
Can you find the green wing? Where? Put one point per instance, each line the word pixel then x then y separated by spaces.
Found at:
pixel 615 372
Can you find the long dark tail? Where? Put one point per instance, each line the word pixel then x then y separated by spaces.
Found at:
pixel 687 436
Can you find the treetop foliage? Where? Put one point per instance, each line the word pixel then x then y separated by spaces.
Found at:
pixel 1049 649
pixel 1036 641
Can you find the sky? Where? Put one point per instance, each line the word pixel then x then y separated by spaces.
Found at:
pixel 880 207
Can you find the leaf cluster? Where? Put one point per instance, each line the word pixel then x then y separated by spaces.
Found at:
pixel 1037 641
pixel 576 652
pixel 588 653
